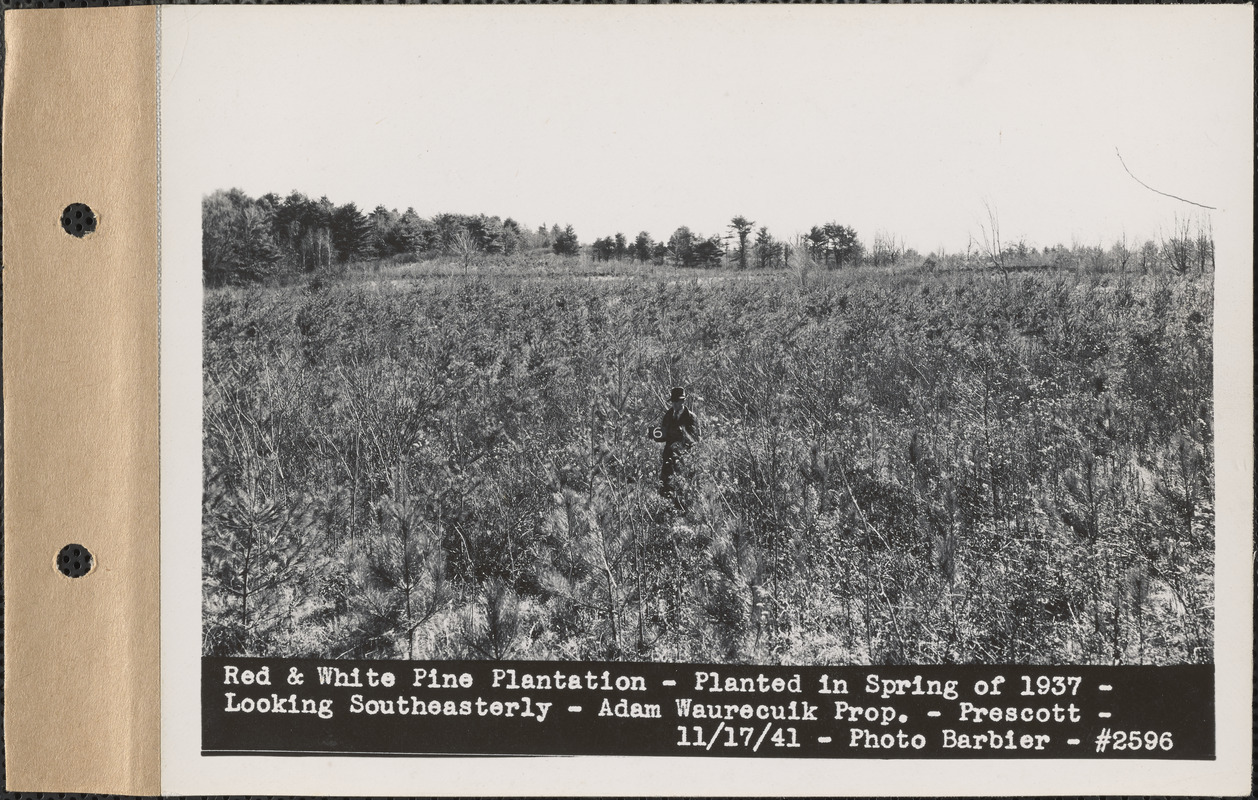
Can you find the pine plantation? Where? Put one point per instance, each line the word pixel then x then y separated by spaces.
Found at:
pixel 897 466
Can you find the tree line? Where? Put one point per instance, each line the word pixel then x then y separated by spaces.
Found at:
pixel 830 244
pixel 247 240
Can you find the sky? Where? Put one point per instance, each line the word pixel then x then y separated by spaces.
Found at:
pixel 907 120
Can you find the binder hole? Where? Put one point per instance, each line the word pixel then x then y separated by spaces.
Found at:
pixel 78 220
pixel 74 561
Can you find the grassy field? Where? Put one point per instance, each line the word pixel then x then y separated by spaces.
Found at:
pixel 896 466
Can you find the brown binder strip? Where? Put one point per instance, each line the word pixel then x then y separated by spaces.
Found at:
pixel 81 670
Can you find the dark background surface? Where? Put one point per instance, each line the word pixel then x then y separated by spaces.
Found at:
pixel 1175 699
pixel 35 4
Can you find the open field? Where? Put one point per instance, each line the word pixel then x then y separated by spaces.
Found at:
pixel 896 466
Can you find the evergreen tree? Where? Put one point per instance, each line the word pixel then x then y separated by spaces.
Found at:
pixel 642 246
pixel 841 242
pixel 680 245
pixel 764 247
pixel 708 252
pixel 603 248
pixel 566 243
pixel 418 235
pixel 742 229
pixel 350 232
pixel 659 251
pixel 382 235
pixel 488 233
pixel 815 241
pixel 512 236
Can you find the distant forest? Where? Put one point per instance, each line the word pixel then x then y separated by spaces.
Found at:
pixel 248 240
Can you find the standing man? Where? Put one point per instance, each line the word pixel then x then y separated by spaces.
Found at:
pixel 680 432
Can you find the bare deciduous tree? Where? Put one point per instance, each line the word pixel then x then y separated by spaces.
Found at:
pixel 992 246
pixel 463 244
pixel 1122 253
pixel 1205 244
pixel 887 249
pixel 1179 246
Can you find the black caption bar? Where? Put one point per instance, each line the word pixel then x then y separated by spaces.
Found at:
pixel 298 706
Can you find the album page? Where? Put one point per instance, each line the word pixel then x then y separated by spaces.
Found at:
pixel 706 400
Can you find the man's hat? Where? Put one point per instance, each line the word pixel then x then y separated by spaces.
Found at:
pixel 679 395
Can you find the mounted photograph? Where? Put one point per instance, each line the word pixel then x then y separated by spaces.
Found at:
pixel 824 347
pixel 706 400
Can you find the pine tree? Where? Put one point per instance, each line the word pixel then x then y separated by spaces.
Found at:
pixel 742 229
pixel 350 232
pixel 566 243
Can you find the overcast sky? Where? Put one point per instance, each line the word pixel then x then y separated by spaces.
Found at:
pixel 905 119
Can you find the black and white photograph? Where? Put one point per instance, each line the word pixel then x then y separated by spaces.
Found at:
pixel 786 369
pixel 753 338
